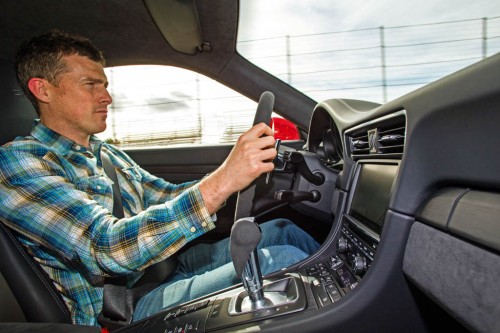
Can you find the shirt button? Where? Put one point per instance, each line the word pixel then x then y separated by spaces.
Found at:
pixel 98 187
pixel 193 229
pixel 77 147
pixel 204 224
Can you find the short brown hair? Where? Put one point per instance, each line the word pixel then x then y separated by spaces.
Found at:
pixel 41 57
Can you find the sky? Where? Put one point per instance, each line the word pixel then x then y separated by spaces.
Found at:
pixel 270 18
pixel 335 73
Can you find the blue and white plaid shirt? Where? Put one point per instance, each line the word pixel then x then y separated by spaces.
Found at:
pixel 55 194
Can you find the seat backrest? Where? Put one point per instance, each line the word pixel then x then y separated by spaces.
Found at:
pixel 17 112
pixel 30 284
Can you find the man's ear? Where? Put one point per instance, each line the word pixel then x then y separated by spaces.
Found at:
pixel 39 89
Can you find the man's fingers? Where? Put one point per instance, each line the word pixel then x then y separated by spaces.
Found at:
pixel 260 130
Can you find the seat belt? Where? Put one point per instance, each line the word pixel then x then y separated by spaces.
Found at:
pixel 110 171
pixel 117 305
pixel 118 300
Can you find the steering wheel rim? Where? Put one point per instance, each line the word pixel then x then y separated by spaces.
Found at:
pixel 244 202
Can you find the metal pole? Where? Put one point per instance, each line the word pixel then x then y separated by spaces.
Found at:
pixel 288 60
pixel 383 65
pixel 485 37
pixel 198 108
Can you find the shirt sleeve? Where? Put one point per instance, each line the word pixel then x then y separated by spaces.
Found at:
pixel 43 204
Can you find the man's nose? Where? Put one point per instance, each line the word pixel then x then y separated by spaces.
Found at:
pixel 106 97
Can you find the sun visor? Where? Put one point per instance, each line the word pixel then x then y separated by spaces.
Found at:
pixel 178 21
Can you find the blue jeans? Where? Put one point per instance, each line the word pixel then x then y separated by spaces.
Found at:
pixel 206 268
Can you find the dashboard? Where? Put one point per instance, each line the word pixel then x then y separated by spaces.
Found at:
pixel 414 205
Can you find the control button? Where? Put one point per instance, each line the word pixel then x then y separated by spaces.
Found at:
pixel 331 287
pixel 342 245
pixel 312 270
pixel 334 296
pixel 326 279
pixel 323 299
pixel 359 264
pixel 323 272
pixel 333 292
pixel 335 262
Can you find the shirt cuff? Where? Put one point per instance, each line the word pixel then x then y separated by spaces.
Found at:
pixel 197 219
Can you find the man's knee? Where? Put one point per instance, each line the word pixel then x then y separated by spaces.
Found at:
pixel 274 258
pixel 281 224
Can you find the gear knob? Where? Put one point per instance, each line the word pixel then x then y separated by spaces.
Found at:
pixel 245 236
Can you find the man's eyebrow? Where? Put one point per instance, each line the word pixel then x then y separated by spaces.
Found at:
pixel 96 80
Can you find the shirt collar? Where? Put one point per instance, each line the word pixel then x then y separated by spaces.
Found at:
pixel 60 143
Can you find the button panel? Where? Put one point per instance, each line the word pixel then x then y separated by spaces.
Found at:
pixel 330 280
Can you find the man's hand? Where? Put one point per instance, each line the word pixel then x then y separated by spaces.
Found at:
pixel 250 157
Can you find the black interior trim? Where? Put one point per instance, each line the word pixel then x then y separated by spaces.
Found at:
pixel 449 270
pixel 35 292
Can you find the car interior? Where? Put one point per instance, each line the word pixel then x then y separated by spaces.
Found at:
pixel 403 196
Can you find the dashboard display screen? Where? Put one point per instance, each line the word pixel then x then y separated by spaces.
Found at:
pixel 372 194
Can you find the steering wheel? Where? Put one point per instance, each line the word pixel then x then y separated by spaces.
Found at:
pixel 244 202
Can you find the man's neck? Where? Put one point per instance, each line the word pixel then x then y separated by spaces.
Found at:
pixel 70 133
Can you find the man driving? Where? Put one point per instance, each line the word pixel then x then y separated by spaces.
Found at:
pixel 58 198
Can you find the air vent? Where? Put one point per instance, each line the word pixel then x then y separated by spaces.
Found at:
pixel 381 138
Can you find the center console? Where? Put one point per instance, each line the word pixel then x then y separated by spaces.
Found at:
pixel 360 230
pixel 318 285
pixel 225 310
pixel 362 225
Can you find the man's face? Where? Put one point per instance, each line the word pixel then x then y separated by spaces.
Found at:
pixel 79 101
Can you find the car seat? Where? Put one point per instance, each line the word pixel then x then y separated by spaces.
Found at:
pixel 30 284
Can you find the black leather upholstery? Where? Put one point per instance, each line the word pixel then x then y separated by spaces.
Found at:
pixel 34 291
pixel 17 112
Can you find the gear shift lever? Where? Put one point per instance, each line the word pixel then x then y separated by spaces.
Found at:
pixel 245 236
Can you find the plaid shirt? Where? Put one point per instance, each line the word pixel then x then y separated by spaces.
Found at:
pixel 55 194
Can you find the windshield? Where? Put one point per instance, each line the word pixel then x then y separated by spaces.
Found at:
pixel 363 49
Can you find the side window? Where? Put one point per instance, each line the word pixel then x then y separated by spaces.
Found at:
pixel 158 106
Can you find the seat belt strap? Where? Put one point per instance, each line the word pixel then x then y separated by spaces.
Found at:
pixel 110 171
pixel 117 302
